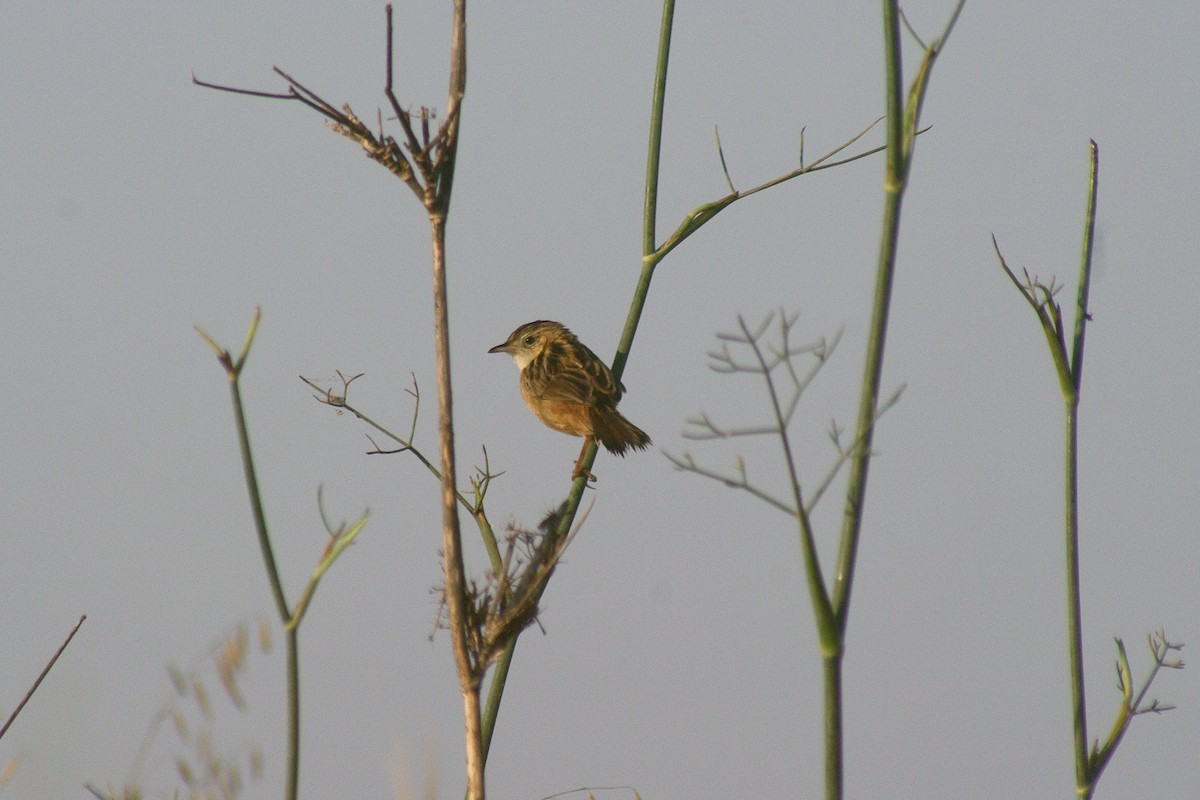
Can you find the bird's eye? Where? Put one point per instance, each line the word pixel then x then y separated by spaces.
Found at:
pixel 529 340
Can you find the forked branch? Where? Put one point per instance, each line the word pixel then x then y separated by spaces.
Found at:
pixel 768 360
pixel 480 481
pixel 700 215
pixel 1134 704
pixel 422 162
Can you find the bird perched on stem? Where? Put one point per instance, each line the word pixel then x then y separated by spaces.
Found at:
pixel 570 389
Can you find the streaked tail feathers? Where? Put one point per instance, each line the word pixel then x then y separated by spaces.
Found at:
pixel 616 433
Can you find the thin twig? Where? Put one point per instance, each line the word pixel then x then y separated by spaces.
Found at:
pixel 42 676
pixel 688 464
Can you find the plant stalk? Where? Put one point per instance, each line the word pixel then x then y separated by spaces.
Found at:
pixel 832 671
pixel 234 371
pixel 1084 776
pixel 1074 612
pixel 454 572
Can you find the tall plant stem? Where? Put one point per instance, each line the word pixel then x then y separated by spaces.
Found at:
pixel 1072 384
pixel 832 678
pixel 454 572
pixel 651 255
pixel 649 262
pixel 1074 611
pixel 233 369
pixel 833 635
pixel 902 117
pixel 437 192
pixel 654 150
pixel 292 647
pixel 1068 367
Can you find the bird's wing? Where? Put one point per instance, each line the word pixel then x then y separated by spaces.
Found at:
pixel 577 378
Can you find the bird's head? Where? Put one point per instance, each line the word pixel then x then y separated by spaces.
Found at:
pixel 529 341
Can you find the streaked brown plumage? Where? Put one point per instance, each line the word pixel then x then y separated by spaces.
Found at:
pixel 570 389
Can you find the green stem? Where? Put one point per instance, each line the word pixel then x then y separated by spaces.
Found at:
pixel 902 125
pixel 1074 614
pixel 650 211
pixel 650 258
pixel 491 708
pixel 868 405
pixel 1072 382
pixel 1085 268
pixel 291 790
pixel 894 180
pixel 292 775
pixel 256 504
pixel 833 725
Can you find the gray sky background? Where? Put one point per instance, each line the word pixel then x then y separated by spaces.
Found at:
pixel 680 656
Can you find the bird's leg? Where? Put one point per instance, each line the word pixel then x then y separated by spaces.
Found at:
pixel 579 470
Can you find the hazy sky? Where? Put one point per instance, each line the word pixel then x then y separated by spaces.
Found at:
pixel 679 657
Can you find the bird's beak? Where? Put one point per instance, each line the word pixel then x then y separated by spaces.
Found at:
pixel 501 348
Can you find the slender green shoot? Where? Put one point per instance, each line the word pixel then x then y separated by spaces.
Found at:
pixel 1068 367
pixel 233 370
pixel 339 540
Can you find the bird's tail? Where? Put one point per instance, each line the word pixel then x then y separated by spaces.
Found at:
pixel 616 433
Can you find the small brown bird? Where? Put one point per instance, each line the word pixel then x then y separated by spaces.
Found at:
pixel 570 389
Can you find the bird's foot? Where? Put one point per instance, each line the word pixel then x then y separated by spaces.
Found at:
pixel 582 473
pixel 578 469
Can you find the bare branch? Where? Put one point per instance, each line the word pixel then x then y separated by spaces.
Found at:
pixel 41 676
pixel 846 454
pixel 330 398
pixel 705 429
pixel 739 481
pixel 769 357
pixel 251 92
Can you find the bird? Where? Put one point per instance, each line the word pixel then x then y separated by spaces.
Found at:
pixel 571 390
